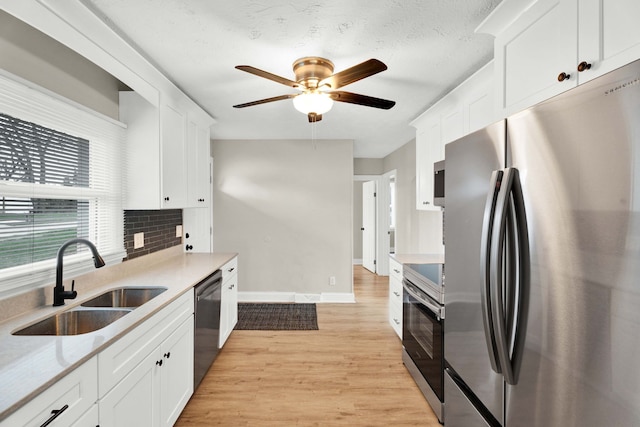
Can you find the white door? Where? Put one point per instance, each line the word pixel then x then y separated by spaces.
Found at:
pixel 198 221
pixel 369 225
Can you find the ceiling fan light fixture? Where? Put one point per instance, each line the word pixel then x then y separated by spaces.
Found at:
pixel 313 102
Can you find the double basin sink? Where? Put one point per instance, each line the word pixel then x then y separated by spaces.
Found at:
pixel 95 313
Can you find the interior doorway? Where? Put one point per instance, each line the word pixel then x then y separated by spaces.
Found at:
pixel 368 229
pixel 374 249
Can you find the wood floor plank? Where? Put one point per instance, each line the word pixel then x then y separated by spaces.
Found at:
pixel 347 373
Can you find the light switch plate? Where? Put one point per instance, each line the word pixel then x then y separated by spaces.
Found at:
pixel 138 240
pixel 178 231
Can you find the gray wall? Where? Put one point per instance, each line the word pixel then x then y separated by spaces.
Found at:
pixel 363 166
pixel 357 220
pixel 416 231
pixel 286 207
pixel 34 56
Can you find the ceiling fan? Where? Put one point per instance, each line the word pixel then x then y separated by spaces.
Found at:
pixel 317 83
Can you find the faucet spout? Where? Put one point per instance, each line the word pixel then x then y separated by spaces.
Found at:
pixel 59 294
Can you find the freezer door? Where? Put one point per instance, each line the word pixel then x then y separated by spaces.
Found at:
pixel 470 162
pixel 578 156
pixel 463 413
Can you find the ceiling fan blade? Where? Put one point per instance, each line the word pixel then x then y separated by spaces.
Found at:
pixel 354 98
pixel 261 73
pixel 264 101
pixel 313 117
pixel 353 74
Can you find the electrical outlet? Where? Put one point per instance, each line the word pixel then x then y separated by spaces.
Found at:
pixel 138 240
pixel 332 280
pixel 178 231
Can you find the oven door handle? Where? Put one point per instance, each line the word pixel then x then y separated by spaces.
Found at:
pixel 436 309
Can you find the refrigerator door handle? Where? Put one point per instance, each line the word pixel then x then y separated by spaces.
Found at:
pixel 509 275
pixel 485 262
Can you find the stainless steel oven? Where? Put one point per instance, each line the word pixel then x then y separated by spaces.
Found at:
pixel 423 330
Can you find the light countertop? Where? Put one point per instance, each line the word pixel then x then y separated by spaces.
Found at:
pixel 418 258
pixel 30 364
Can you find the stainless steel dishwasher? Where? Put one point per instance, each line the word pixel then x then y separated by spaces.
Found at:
pixel 207 325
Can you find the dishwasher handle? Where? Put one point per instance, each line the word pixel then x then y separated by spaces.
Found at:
pixel 208 285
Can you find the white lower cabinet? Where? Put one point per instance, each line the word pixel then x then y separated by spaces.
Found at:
pixel 89 419
pixel 176 372
pixel 395 296
pixel 134 401
pixel 146 377
pixel 65 403
pixel 143 379
pixel 156 391
pixel 228 300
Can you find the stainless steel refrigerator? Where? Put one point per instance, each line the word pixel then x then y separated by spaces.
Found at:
pixel 542 244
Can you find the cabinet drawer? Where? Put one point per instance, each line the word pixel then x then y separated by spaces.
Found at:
pixel 229 269
pixel 116 361
pixel 395 292
pixel 78 391
pixel 395 317
pixel 395 269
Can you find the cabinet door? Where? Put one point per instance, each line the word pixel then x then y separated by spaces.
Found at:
pixel 428 151
pixel 198 153
pixel 197 225
pixel 174 181
pixel 73 395
pixel 228 307
pixel 452 129
pixel 134 400
pixel 89 418
pixel 533 51
pixel 202 182
pixel 176 373
pixel 609 35
pixel 395 296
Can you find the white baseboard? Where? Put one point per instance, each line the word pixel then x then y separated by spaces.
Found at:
pixel 266 296
pixel 357 261
pixel 325 297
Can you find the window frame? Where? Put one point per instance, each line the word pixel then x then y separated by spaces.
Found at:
pixel 27 101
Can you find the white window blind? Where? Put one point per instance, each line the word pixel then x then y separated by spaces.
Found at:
pixel 61 170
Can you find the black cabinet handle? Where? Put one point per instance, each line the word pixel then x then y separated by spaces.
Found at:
pixel 159 362
pixel 167 354
pixel 166 199
pixel 563 76
pixel 54 414
pixel 231 269
pixel 583 66
pixel 189 247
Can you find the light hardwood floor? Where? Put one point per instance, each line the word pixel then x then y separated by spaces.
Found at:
pixel 348 373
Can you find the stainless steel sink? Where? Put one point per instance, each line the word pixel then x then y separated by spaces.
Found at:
pixel 74 322
pixel 125 297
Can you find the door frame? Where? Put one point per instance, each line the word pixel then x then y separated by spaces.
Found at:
pixel 382 218
pixel 369 228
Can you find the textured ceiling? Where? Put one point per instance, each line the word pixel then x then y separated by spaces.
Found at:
pixel 429 47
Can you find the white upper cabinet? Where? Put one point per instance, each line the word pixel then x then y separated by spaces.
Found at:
pixel 608 35
pixel 428 150
pixel 173 179
pixel 155 154
pixel 468 107
pixel 555 45
pixel 198 152
pixel 167 156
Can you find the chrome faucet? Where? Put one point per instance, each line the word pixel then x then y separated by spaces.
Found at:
pixel 59 294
